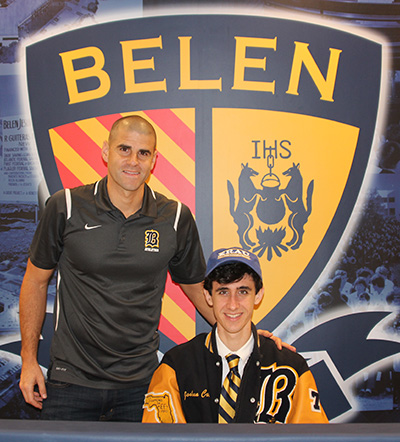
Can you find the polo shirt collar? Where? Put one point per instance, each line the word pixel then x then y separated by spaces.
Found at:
pixel 103 202
pixel 149 206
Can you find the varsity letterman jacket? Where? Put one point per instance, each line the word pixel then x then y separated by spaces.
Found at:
pixel 276 386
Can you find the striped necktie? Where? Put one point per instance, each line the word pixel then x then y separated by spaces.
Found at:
pixel 229 392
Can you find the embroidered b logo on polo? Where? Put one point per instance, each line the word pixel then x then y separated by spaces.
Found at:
pixel 151 241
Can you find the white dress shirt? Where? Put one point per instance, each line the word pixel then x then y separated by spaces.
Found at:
pixel 243 352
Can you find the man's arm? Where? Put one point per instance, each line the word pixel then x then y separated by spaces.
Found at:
pixel 195 293
pixel 32 310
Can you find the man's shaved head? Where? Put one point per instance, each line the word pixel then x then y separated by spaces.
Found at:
pixel 133 123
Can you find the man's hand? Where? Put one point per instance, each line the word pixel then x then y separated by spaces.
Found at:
pixel 32 310
pixel 278 341
pixel 31 375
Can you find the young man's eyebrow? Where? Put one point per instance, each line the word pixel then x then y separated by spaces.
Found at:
pixel 238 288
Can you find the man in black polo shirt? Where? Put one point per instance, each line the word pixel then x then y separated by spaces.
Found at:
pixel 112 243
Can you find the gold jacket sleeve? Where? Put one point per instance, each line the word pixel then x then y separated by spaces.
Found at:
pixel 162 403
pixel 306 406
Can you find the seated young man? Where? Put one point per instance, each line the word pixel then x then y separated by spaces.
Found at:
pixel 196 383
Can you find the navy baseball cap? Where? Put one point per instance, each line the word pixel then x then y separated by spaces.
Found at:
pixel 233 254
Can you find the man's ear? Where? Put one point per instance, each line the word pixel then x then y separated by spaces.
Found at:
pixel 259 296
pixel 208 297
pixel 104 151
pixel 154 159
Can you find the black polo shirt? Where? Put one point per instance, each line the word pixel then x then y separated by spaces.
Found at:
pixel 111 279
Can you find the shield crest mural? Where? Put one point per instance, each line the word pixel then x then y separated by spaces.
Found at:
pixel 265 127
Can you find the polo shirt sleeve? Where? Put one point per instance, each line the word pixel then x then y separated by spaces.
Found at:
pixel 188 265
pixel 47 243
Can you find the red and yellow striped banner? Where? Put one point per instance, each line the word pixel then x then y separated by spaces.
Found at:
pixel 77 152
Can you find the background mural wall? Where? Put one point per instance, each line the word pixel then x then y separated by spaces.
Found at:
pixel 342 308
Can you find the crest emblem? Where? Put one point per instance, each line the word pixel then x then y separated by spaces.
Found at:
pixel 277 195
pixel 270 203
pixel 265 127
